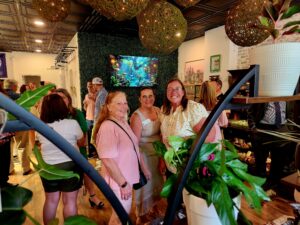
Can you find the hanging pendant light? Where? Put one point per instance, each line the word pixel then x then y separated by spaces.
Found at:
pixel 162 27
pixel 52 10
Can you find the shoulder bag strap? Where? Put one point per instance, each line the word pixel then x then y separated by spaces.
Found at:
pixel 129 138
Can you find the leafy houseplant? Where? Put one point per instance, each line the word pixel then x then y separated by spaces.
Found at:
pixel 13 199
pixel 216 176
pixel 275 11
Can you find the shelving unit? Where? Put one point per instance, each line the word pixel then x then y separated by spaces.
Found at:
pixel 253 100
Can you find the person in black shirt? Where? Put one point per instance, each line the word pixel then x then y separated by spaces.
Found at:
pixel 269 116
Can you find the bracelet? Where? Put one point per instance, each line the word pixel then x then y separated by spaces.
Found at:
pixel 124 185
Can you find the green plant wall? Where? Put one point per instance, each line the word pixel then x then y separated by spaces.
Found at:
pixel 94 50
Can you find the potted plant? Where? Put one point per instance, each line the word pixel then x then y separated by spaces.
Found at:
pixel 278 60
pixel 217 176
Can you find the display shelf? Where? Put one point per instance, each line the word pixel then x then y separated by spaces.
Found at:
pixel 253 100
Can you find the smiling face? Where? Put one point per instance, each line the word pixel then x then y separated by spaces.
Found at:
pixel 175 93
pixel 118 106
pixel 147 98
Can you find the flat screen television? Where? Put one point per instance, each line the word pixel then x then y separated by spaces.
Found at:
pixel 132 71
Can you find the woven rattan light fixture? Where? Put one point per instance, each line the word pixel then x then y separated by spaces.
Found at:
pixel 162 27
pixel 119 9
pixel 187 3
pixel 242 24
pixel 52 10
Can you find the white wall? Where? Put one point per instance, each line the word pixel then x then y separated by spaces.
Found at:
pixel 215 42
pixel 72 74
pixel 189 51
pixel 25 63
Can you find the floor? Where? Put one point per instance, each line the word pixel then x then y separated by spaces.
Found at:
pixel 278 208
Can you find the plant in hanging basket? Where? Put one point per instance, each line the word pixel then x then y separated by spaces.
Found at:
pixel 217 176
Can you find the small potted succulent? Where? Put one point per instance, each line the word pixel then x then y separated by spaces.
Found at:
pixel 214 184
pixel 277 56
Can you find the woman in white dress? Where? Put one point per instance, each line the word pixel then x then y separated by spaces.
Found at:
pixel 145 124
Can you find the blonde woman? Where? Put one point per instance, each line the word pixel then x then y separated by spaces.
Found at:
pixel 117 147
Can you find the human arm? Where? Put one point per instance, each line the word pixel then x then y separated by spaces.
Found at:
pixel 136 125
pixel 116 174
pixel 223 120
pixel 85 102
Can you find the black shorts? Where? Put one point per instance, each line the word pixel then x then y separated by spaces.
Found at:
pixel 64 185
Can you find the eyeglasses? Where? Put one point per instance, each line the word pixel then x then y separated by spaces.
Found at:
pixel 177 89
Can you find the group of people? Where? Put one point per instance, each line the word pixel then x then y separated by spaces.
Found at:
pixel 123 144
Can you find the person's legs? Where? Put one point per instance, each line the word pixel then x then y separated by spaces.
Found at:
pixel 50 206
pixel 93 199
pixel 26 152
pixel 114 219
pixel 4 162
pixel 70 203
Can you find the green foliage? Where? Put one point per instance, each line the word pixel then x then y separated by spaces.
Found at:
pixel 30 98
pixel 50 172
pixel 15 198
pixel 275 11
pixel 216 175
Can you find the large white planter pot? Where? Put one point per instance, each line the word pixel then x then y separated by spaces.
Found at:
pixel 279 68
pixel 199 214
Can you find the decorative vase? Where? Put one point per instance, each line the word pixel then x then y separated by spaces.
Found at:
pixel 279 68
pixel 199 214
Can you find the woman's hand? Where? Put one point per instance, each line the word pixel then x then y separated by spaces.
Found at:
pixel 126 192
pixel 147 173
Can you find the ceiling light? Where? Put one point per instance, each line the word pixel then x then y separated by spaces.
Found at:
pixel 38 50
pixel 38 41
pixel 39 23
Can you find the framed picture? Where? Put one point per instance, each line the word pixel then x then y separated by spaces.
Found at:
pixel 194 71
pixel 215 63
pixel 3 71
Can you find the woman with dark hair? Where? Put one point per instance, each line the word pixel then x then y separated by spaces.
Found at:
pixel 117 147
pixel 146 126
pixel 77 115
pixel 181 117
pixel 55 113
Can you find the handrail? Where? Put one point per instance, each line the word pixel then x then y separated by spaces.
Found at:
pixel 29 121
pixel 201 136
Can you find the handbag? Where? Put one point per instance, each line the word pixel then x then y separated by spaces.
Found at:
pixel 143 180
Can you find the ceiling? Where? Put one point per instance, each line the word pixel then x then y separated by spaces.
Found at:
pixel 18 32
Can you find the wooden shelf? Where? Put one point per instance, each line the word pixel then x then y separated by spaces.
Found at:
pixel 253 100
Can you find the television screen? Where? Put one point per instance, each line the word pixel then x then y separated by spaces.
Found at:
pixel 133 71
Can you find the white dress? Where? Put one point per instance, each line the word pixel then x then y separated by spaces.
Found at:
pixel 147 196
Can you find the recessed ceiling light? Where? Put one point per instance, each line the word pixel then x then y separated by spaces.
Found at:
pixel 38 41
pixel 38 50
pixel 39 23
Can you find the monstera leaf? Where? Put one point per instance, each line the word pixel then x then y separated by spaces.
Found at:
pixel 50 172
pixel 30 98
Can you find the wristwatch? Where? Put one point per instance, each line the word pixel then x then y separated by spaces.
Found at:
pixel 124 185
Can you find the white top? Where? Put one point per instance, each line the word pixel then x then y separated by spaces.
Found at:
pixel 180 122
pixel 67 128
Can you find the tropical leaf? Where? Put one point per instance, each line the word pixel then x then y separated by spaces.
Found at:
pixel 176 142
pixel 30 98
pixel 248 177
pixel 79 219
pixel 223 202
pixel 50 172
pixel 13 200
pixel 159 148
pixel 290 12
pixel 168 185
pixel 292 23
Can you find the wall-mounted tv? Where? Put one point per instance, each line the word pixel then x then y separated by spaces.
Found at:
pixel 132 71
